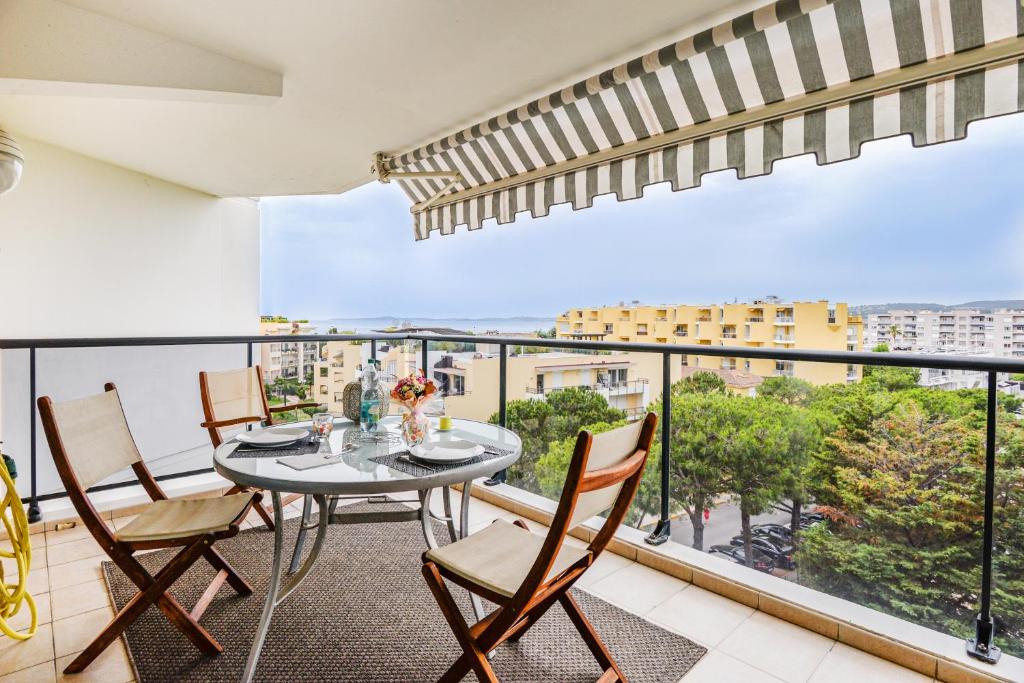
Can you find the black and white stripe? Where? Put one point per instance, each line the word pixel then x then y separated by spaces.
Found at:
pixel 782 51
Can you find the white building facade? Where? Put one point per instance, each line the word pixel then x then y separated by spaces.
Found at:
pixel 995 333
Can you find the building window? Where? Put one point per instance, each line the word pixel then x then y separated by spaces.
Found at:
pixel 323 389
pixel 323 371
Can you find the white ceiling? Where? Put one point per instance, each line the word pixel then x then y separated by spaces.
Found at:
pixel 267 97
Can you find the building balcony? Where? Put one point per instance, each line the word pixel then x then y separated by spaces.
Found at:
pixel 633 386
pixel 783 339
pixel 784 320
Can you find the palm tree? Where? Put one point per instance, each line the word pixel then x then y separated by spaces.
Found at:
pixel 894 331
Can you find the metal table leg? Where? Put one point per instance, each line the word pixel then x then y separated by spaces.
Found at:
pixel 275 592
pixel 428 528
pixel 446 495
pixel 300 538
pixel 467 487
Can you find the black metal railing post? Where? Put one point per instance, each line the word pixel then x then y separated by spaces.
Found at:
pixel 33 505
pixel 663 529
pixel 373 349
pixel 982 645
pixel 501 476
pixel 424 360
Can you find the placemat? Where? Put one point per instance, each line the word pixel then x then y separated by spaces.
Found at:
pixel 301 448
pixel 422 470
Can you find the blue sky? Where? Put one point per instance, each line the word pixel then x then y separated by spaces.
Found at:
pixel 943 223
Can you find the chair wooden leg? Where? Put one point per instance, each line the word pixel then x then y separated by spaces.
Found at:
pixel 152 590
pixel 473 658
pixel 594 643
pixel 530 618
pixel 234 579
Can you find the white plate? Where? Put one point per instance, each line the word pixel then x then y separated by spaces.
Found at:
pixel 446 452
pixel 272 438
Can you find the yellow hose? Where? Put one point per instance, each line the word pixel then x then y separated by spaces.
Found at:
pixel 13 596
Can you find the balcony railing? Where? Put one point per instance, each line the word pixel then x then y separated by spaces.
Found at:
pixel 633 386
pixel 988 366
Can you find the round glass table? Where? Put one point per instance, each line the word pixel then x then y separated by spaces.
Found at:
pixel 360 470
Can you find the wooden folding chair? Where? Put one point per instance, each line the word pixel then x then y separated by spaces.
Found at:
pixel 90 440
pixel 237 397
pixel 525 574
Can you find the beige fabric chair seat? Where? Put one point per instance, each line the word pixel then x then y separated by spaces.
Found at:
pixel 500 556
pixel 183 517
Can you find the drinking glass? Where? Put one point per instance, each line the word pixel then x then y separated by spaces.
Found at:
pixel 323 425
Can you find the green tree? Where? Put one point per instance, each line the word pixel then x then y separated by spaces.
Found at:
pixel 887 378
pixel 789 390
pixel 560 415
pixel 905 508
pixel 703 382
pixel 881 347
pixel 758 458
pixel 701 427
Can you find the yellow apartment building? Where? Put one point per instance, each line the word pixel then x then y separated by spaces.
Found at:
pixel 770 323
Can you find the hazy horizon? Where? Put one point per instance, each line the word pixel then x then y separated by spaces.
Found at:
pixel 941 224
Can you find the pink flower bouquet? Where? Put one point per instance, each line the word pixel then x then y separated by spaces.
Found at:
pixel 414 393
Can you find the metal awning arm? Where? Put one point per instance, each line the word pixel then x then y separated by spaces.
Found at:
pixel 385 174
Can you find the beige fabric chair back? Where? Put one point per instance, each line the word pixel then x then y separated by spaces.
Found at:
pixel 96 437
pixel 607 449
pixel 235 394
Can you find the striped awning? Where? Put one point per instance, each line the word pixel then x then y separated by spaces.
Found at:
pixel 794 77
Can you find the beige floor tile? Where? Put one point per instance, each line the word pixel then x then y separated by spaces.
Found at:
pixel 637 588
pixel 844 664
pixel 75 633
pixel 16 655
pixel 701 615
pixel 23 619
pixel 40 673
pixel 606 564
pixel 82 597
pixel 75 533
pixel 718 667
pixel 777 647
pixel 38 581
pixel 76 572
pixel 112 666
pixel 72 551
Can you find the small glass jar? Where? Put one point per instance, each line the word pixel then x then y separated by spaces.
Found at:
pixel 323 425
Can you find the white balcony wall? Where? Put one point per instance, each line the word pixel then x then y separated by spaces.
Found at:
pixel 92 249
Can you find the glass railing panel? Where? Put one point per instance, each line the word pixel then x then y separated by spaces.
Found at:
pixel 1008 531
pixel 856 482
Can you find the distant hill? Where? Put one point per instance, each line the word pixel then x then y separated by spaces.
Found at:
pixel 984 306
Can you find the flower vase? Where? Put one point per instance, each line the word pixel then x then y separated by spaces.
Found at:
pixel 414 427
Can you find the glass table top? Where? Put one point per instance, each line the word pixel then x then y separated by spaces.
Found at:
pixel 356 473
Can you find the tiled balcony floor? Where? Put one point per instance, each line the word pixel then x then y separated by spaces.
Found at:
pixel 744 644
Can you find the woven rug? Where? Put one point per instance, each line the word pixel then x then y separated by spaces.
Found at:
pixel 365 614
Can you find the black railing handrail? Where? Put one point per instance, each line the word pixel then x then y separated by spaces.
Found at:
pixel 981 646
pixel 890 358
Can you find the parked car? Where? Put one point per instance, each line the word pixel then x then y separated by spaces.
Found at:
pixel 762 562
pixel 809 519
pixel 776 533
pixel 781 554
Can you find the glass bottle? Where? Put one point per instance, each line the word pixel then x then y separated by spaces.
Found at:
pixel 374 403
